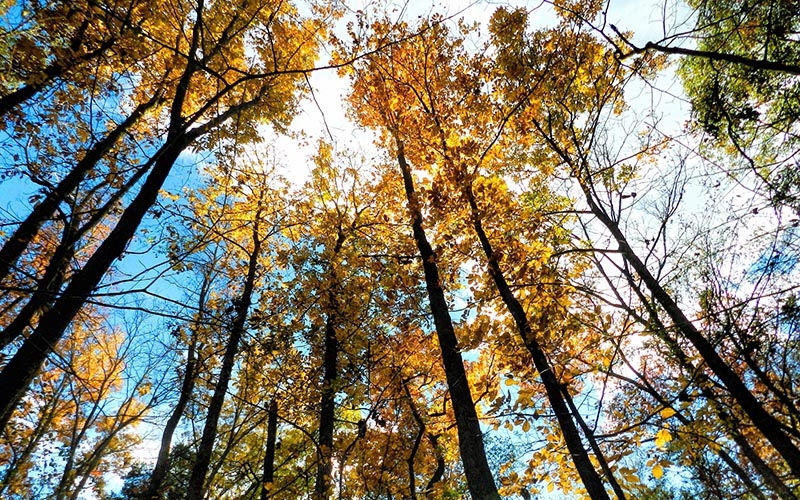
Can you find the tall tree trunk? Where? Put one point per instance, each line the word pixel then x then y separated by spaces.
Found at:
pixel 595 446
pixel 730 425
pixel 771 480
pixel 27 361
pixel 480 482
pixel 330 375
pixel 769 426
pixel 159 474
pixel 421 432
pixel 269 456
pixel 47 287
pixel 53 279
pixel 196 488
pixel 580 457
pixel 18 242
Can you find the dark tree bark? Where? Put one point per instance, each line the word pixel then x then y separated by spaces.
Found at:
pixel 330 375
pixel 269 456
pixel 18 242
pixel 580 457
pixel 196 488
pixel 770 427
pixel 704 384
pixel 49 286
pixel 480 482
pixel 749 62
pixel 46 418
pixel 421 432
pixel 48 75
pixel 595 446
pixel 27 361
pixel 159 474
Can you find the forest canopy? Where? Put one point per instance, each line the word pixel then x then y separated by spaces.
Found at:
pixel 262 249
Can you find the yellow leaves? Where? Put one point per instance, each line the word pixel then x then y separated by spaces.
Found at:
pixel 169 196
pixel 667 413
pixel 658 466
pixel 629 475
pixel 663 437
pixel 657 471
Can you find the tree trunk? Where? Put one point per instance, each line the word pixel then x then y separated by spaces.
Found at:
pixel 767 474
pixel 480 482
pixel 48 287
pixel 580 457
pixel 330 375
pixel 159 474
pixel 27 361
pixel 18 242
pixel 269 456
pixel 196 488
pixel 52 72
pixel 768 425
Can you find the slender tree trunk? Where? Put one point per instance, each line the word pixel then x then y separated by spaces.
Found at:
pixel 43 425
pixel 595 446
pixel 480 482
pixel 580 457
pixel 18 242
pixel 767 474
pixel 422 432
pixel 159 474
pixel 438 473
pixel 269 456
pixel 48 287
pixel 771 480
pixel 196 488
pixel 769 426
pixel 27 361
pixel 90 463
pixel 330 375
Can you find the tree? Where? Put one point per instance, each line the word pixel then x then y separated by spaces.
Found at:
pixel 207 88
pixel 739 64
pixel 570 136
pixel 378 104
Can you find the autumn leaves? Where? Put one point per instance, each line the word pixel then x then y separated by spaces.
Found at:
pixel 370 333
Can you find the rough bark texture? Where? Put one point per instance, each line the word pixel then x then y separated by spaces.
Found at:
pixel 480 482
